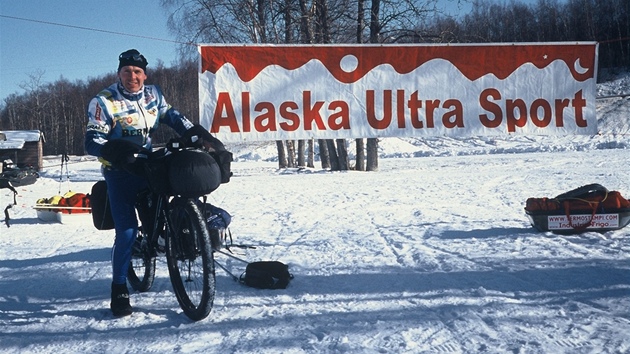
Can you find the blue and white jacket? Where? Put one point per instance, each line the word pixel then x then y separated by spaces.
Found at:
pixel 115 113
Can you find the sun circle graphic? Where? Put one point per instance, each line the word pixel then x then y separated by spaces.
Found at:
pixel 349 63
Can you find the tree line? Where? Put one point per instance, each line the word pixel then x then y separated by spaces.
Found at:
pixel 58 109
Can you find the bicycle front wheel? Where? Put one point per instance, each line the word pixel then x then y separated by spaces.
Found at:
pixel 190 259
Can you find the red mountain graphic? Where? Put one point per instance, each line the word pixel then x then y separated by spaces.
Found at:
pixel 474 61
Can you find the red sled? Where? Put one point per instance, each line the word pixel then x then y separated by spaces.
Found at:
pixel 587 208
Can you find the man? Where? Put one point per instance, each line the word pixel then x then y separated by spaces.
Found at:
pixel 131 111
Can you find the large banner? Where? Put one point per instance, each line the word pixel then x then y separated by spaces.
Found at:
pixel 282 92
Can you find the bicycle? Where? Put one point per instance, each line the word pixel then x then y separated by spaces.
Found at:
pixel 172 223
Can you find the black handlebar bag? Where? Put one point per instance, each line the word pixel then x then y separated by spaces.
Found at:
pixel 175 171
pixel 186 173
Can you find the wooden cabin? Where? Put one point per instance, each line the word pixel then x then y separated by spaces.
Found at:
pixel 23 147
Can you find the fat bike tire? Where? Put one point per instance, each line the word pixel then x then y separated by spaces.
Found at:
pixel 141 272
pixel 190 260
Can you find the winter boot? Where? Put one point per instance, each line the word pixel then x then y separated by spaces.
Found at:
pixel 120 300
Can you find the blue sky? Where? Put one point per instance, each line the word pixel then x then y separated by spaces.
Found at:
pixel 28 48
pixel 77 54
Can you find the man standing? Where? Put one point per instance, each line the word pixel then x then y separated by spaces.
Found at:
pixel 131 111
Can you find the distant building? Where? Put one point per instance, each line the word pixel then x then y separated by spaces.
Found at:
pixel 23 147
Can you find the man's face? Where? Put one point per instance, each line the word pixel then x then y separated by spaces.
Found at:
pixel 132 78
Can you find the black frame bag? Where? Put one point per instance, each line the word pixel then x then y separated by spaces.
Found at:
pixel 266 275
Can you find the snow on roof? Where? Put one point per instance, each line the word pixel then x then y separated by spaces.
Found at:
pixel 26 135
pixel 11 144
pixel 15 139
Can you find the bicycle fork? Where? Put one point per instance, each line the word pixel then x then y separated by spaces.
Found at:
pixel 182 234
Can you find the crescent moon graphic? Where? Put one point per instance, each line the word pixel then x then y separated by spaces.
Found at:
pixel 579 68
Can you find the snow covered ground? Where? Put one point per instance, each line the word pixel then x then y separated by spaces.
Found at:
pixel 431 254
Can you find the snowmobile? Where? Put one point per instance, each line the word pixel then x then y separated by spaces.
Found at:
pixel 18 175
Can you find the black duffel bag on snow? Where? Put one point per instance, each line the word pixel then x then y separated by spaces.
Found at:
pixel 266 275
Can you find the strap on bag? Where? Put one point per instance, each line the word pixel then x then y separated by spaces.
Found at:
pixel 567 212
pixel 594 191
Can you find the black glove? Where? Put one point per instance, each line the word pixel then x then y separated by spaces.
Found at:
pixel 201 134
pixel 137 167
pixel 121 153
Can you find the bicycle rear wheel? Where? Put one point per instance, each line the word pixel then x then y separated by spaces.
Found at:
pixel 190 259
pixel 141 271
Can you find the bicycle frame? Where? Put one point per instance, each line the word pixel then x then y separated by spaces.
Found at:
pixel 153 219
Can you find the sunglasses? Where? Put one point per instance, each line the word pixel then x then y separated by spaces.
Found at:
pixel 134 56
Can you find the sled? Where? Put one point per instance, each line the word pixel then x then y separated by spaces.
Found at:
pixel 587 208
pixel 559 223
pixel 64 215
pixel 71 208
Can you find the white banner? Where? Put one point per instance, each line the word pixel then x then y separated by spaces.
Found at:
pixel 272 92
